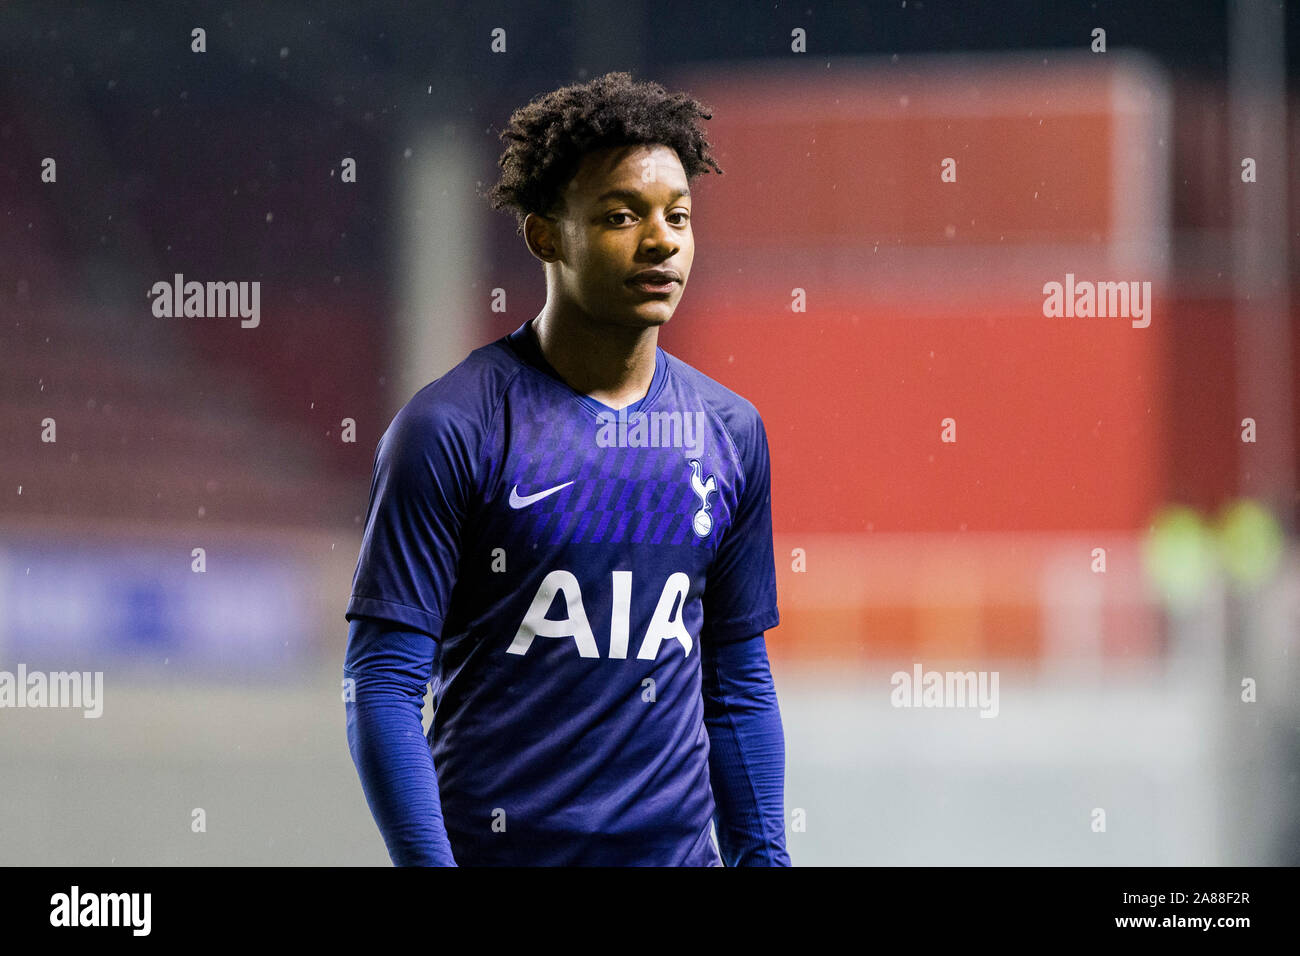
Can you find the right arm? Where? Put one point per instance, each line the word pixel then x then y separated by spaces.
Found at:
pixel 419 495
pixel 391 668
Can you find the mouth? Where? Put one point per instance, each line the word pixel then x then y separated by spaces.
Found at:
pixel 654 284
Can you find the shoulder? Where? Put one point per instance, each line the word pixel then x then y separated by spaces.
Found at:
pixel 445 424
pixel 737 414
pixel 463 400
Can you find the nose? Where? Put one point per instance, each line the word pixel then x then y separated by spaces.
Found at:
pixel 660 238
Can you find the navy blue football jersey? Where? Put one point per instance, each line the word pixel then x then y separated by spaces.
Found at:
pixel 570 560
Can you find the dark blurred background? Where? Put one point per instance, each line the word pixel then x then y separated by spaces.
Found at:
pixel 1122 683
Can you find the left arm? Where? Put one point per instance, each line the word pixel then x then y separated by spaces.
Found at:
pixel 746 752
pixel 746 740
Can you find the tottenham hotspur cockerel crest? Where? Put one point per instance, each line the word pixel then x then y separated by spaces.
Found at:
pixel 703 521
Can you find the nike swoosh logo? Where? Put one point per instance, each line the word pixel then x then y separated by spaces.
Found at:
pixel 518 502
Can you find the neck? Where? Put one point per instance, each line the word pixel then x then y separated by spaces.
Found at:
pixel 610 363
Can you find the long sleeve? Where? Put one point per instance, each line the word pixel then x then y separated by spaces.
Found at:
pixel 391 669
pixel 746 752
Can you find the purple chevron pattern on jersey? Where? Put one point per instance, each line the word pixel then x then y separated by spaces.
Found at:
pixel 569 560
pixel 619 494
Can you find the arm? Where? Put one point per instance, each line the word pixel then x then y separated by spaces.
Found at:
pixel 419 494
pixel 391 668
pixel 746 752
pixel 746 739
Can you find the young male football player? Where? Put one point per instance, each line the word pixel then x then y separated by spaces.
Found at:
pixel 572 530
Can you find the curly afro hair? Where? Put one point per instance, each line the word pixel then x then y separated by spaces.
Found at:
pixel 547 139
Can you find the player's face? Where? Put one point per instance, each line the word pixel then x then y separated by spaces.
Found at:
pixel 627 209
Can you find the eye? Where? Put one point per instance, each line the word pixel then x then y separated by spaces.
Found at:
pixel 613 214
pixel 685 215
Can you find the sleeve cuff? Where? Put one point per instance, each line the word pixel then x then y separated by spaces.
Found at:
pixel 403 614
pixel 740 629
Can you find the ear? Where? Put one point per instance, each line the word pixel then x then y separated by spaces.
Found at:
pixel 542 236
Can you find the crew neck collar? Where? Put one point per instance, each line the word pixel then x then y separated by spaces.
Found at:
pixel 524 341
